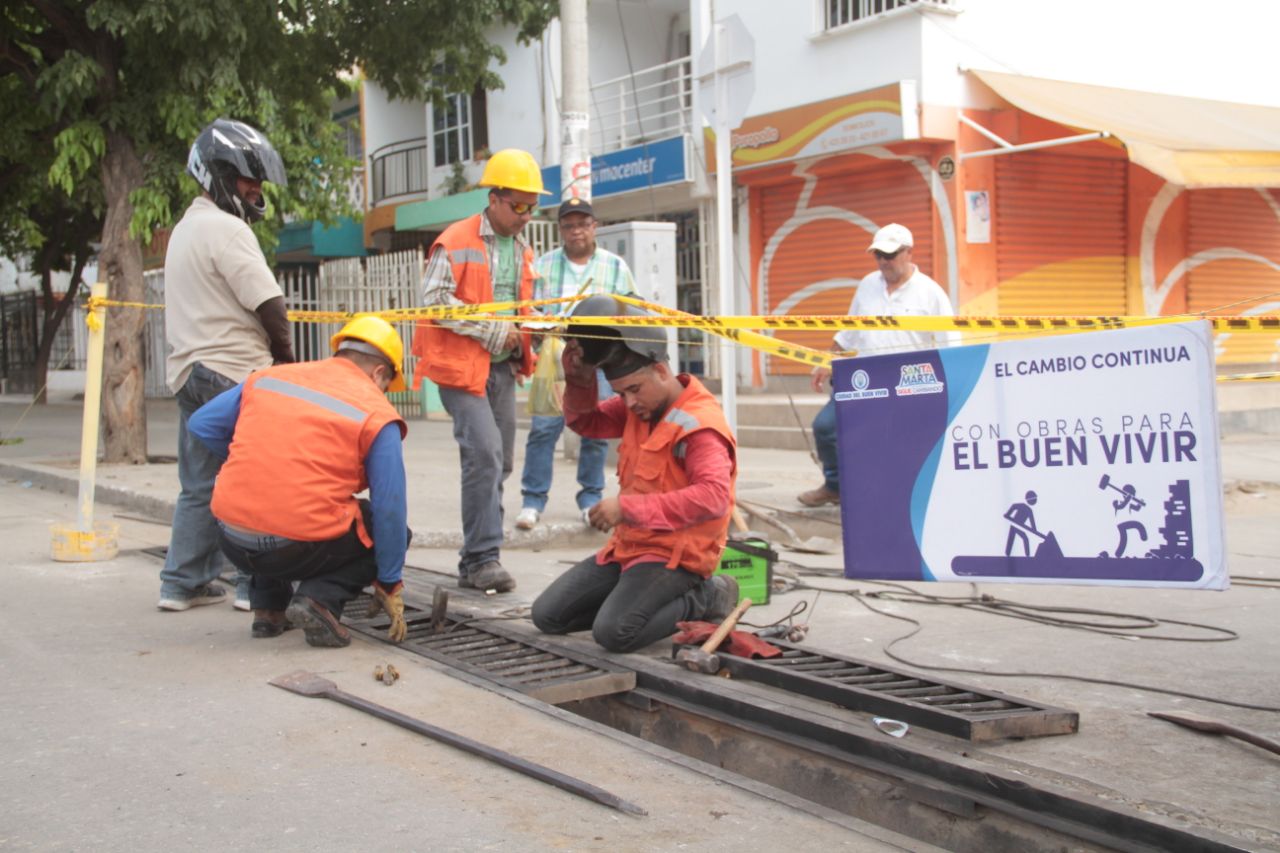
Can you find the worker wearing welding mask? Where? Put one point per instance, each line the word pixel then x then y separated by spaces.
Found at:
pixel 677 464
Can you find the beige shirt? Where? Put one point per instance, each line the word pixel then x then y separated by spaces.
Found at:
pixel 215 277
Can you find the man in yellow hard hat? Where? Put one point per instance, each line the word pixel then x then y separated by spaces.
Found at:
pixel 300 440
pixel 475 362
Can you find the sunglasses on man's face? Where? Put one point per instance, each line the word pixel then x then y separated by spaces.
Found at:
pixel 886 256
pixel 519 208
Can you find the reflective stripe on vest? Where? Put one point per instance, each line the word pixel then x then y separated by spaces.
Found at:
pixel 310 395
pixel 467 256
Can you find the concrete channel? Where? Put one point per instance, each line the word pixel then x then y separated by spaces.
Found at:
pixel 935 788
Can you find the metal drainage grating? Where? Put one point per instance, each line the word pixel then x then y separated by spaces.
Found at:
pixel 498 654
pixel 954 709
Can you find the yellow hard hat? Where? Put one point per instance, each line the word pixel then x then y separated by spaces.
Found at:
pixel 382 336
pixel 513 169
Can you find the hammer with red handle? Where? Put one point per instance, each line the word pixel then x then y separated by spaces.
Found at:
pixel 704 658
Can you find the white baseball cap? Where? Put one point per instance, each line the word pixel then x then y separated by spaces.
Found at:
pixel 890 239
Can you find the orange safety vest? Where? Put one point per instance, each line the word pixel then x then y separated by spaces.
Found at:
pixel 457 361
pixel 649 464
pixel 297 456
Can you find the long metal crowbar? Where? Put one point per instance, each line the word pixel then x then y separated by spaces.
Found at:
pixel 309 684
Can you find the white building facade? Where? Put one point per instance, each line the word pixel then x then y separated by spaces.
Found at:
pixel 1097 158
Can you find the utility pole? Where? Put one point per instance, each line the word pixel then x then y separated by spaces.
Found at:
pixel 575 119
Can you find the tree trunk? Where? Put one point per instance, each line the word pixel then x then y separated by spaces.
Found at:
pixel 124 416
pixel 53 317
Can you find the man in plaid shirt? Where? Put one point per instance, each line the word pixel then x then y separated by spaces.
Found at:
pixel 563 272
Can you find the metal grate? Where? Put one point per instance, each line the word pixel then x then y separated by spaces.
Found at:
pixel 522 663
pixel 954 709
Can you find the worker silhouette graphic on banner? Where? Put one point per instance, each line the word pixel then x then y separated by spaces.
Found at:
pixel 1128 500
pixel 1021 519
pixel 1171 559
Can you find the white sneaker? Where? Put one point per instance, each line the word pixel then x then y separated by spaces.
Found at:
pixel 527 519
pixel 586 516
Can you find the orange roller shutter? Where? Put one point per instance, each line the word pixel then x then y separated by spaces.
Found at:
pixel 1060 234
pixel 814 257
pixel 1233 248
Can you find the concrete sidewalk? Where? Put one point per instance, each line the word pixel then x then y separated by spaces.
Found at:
pixel 48 456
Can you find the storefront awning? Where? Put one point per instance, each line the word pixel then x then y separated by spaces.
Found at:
pixel 1188 141
pixel 438 214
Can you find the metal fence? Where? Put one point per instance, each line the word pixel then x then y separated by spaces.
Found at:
pixel 19 336
pixel 375 283
pixel 70 342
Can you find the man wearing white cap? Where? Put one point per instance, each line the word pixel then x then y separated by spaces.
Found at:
pixel 897 288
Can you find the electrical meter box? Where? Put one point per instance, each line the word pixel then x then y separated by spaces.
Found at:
pixel 649 248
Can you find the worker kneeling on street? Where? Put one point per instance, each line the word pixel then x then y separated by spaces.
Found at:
pixel 677 464
pixel 299 441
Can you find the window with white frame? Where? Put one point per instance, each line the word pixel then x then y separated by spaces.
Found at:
pixel 837 13
pixel 451 130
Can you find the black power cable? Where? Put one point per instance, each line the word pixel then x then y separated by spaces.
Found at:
pixel 1113 624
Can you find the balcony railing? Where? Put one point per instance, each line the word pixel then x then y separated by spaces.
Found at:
pixel 398 169
pixel 355 189
pixel 838 13
pixel 652 104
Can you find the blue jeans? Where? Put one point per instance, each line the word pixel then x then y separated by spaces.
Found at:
pixel 540 451
pixel 824 436
pixel 330 573
pixel 539 454
pixel 194 558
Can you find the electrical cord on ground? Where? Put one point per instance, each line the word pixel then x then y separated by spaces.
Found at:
pixel 985 604
pixel 888 651
pixel 801 607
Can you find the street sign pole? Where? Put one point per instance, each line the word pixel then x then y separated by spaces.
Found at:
pixel 725 64
pixel 724 226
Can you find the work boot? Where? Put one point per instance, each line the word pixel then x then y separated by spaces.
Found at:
pixel 269 623
pixel 820 496
pixel 319 625
pixel 724 598
pixel 488 576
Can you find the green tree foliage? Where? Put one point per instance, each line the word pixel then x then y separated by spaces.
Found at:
pixel 114 91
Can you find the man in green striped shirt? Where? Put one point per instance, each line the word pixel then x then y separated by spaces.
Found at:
pixel 564 272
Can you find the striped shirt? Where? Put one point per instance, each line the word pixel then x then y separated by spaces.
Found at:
pixel 556 278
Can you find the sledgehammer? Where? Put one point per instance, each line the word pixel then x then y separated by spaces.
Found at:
pixel 704 658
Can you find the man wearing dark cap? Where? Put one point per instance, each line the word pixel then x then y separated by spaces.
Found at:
pixel 677 464
pixel 579 266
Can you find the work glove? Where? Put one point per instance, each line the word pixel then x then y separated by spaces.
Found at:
pixel 390 600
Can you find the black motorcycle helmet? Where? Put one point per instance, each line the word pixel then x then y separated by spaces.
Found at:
pixel 228 149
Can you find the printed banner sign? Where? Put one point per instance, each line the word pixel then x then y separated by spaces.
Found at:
pixel 1082 459
pixel 640 167
pixel 875 117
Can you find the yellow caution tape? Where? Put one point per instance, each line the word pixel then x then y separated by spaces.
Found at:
pixel 667 317
pixel 94 302
pixel 746 329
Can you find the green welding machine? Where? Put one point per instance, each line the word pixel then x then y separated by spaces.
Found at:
pixel 749 561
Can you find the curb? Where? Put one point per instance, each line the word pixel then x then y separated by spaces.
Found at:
pixel 571 535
